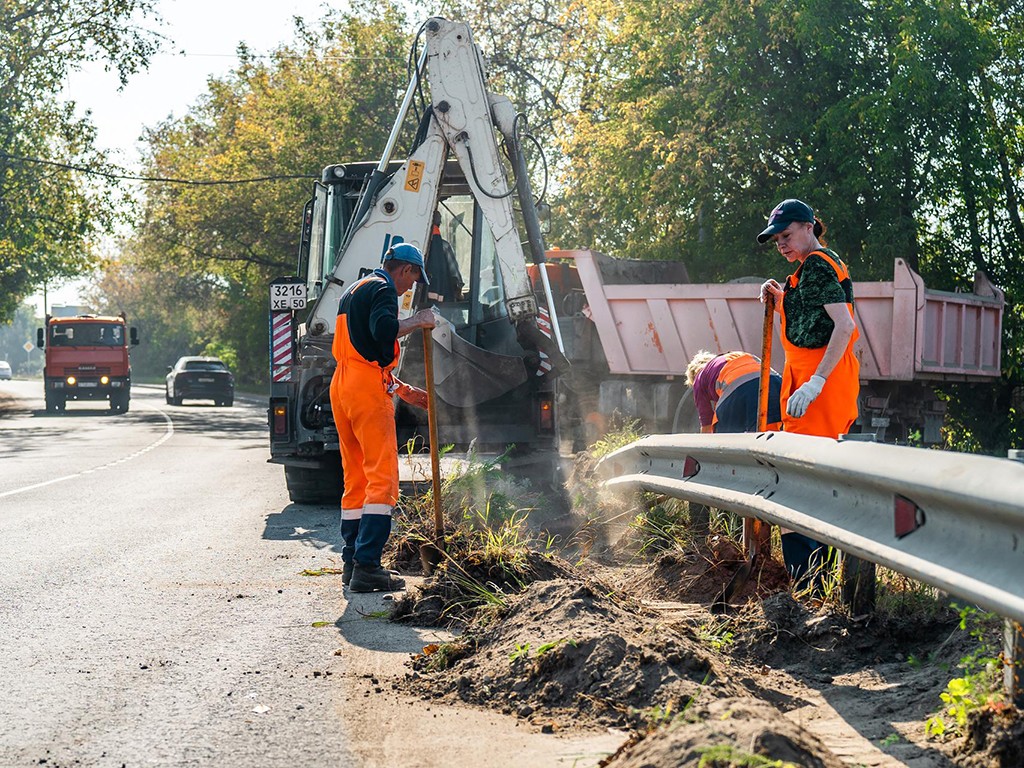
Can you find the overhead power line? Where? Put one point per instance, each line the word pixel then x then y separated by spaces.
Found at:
pixel 110 174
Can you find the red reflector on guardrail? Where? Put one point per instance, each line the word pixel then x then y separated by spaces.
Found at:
pixel 907 516
pixel 691 467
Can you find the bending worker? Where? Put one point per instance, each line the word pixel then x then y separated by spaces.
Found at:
pixel 725 391
pixel 821 378
pixel 366 350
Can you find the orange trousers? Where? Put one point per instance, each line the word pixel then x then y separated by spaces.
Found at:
pixel 364 414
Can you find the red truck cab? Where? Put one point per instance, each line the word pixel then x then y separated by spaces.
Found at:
pixel 87 359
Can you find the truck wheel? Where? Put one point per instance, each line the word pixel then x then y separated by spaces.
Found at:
pixel 229 402
pixel 308 485
pixel 119 401
pixel 176 400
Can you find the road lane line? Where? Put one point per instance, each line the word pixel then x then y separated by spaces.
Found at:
pixel 168 433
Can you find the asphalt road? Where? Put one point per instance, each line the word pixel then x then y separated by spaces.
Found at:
pixel 154 611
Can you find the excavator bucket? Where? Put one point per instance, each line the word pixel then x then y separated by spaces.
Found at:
pixel 466 375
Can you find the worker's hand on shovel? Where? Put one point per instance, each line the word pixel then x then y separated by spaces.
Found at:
pixel 773 289
pixel 427 318
pixel 412 395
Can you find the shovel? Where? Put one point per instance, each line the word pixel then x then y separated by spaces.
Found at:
pixel 430 552
pixel 756 533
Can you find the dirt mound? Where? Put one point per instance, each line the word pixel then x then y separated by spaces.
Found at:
pixel 995 739
pixel 726 733
pixel 784 632
pixel 452 595
pixel 565 654
pixel 700 574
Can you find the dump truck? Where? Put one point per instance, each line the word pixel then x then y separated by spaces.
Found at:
pixel 631 327
pixel 87 359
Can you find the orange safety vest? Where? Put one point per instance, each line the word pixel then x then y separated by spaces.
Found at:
pixel 833 412
pixel 741 368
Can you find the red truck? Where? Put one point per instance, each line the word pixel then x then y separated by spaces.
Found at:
pixel 631 327
pixel 87 359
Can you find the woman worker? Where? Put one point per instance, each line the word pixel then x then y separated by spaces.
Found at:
pixel 725 391
pixel 821 377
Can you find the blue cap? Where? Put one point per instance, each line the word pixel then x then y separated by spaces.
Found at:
pixel 411 254
pixel 784 214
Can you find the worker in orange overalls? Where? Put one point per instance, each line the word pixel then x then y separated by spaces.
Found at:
pixel 821 377
pixel 366 350
pixel 726 391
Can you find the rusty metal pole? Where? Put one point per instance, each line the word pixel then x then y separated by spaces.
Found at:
pixel 1013 641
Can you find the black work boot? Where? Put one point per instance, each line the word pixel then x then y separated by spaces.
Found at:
pixel 374 578
pixel 348 567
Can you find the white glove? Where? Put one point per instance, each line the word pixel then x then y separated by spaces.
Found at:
pixel 797 404
pixel 770 287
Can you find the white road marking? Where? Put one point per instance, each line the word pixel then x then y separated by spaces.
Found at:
pixel 168 432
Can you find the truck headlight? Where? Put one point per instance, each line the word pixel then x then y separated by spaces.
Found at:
pixel 104 379
pixel 71 381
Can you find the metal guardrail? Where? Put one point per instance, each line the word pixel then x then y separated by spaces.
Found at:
pixel 952 520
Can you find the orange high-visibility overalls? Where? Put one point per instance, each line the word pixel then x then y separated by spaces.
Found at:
pixel 835 409
pixel 364 414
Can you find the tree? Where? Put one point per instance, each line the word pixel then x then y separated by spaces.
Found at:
pixel 49 214
pixel 329 96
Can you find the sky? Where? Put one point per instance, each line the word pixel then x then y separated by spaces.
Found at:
pixel 203 36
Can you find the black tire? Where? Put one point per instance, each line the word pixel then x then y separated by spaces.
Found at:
pixel 229 402
pixel 309 485
pixel 176 400
pixel 167 395
pixel 119 401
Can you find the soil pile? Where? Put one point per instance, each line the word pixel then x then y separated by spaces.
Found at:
pixel 727 733
pixel 565 654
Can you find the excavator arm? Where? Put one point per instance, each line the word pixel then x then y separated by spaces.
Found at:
pixel 394 208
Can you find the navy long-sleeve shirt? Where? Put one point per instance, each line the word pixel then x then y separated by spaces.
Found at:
pixel 371 309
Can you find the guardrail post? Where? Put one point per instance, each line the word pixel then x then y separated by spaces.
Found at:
pixel 857 578
pixel 1013 641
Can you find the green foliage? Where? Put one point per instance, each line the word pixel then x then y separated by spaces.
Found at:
pixel 206 253
pixel 50 217
pixel 977 686
pixel 662 525
pixel 616 437
pixel 717 635
pixel 221 350
pixel 13 334
pixel 728 756
pixel 522 651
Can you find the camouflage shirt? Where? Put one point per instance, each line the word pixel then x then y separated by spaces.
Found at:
pixel 817 284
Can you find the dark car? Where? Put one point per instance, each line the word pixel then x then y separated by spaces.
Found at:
pixel 200 378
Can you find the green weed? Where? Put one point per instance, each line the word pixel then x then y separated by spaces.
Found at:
pixel 728 756
pixel 716 635
pixel 977 687
pixel 662 526
pixel 522 651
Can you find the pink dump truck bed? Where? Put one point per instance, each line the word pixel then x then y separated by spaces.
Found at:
pixel 907 332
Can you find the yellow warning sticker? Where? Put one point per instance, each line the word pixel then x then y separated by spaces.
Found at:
pixel 407 299
pixel 414 176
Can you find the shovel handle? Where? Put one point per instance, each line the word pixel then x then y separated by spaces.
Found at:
pixel 756 534
pixel 435 469
pixel 767 328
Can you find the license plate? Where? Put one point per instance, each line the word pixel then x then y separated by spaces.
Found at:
pixel 86 384
pixel 205 381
